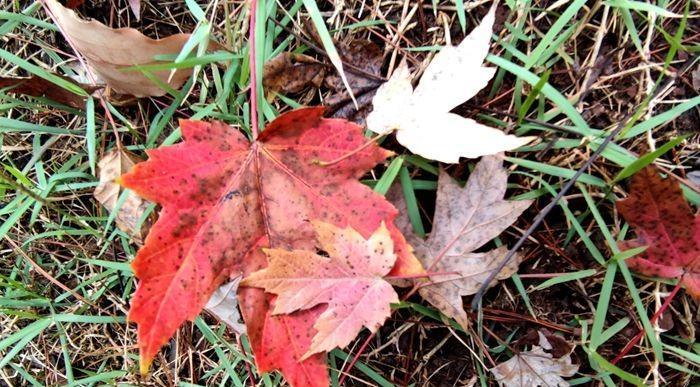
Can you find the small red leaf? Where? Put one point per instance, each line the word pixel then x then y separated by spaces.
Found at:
pixel 664 222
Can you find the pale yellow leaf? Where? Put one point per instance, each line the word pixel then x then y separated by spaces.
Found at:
pixel 535 367
pixel 422 116
pixel 111 166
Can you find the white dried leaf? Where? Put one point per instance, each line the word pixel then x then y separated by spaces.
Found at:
pixel 223 304
pixel 422 117
pixel 535 368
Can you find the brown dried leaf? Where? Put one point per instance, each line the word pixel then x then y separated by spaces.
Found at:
pixel 363 55
pixel 558 346
pixel 465 219
pixel 114 164
pixel 535 368
pixel 39 87
pixel 108 51
pixel 290 73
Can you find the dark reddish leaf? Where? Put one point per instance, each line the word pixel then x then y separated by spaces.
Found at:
pixel 73 4
pixel 39 87
pixel 664 222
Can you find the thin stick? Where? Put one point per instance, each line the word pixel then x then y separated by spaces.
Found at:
pixel 355 359
pixel 251 379
pixel 476 302
pixel 422 275
pixel 653 319
pixel 253 116
pixel 253 71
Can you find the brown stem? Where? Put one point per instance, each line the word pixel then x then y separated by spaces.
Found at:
pixel 653 319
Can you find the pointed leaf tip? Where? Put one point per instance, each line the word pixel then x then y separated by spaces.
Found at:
pixel 465 219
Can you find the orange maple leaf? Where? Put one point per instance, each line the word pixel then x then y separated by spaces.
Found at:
pixel 351 282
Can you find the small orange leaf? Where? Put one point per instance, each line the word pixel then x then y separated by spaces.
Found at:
pixel 350 281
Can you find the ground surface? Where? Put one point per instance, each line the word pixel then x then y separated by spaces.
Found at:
pixel 64 272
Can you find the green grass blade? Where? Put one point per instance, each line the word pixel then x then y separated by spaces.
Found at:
pixel 389 176
pixel 554 31
pixel 556 171
pixel 39 72
pixel 619 372
pixel 573 276
pixel 411 202
pixel 661 119
pixel 461 15
pixel 647 159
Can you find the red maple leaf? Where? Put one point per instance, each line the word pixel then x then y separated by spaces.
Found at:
pixel 224 198
pixel 666 224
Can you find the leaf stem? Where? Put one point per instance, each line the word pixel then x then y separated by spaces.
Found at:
pixel 349 154
pixel 253 71
pixel 421 275
pixel 251 379
pixel 653 319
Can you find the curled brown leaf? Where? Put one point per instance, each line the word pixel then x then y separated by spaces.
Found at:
pixel 290 73
pixel 110 51
pixel 39 87
pixel 364 76
pixel 111 166
pixel 536 367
